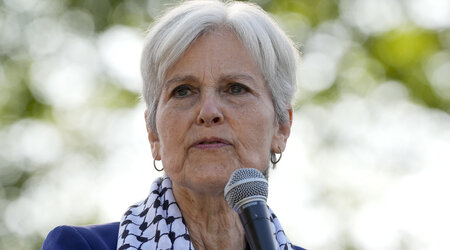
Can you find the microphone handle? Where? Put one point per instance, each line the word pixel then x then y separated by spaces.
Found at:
pixel 256 221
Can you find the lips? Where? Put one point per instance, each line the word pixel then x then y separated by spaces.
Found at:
pixel 213 142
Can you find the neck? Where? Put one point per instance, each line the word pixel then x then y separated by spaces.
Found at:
pixel 211 222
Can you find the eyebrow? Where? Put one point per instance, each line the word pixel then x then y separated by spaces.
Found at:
pixel 237 76
pixel 182 78
pixel 191 78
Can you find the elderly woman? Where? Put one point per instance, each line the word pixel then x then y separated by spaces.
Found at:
pixel 218 82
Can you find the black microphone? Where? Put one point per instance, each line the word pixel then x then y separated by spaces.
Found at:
pixel 246 192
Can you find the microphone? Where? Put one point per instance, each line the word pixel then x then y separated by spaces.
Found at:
pixel 246 192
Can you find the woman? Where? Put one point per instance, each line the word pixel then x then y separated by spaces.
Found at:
pixel 218 82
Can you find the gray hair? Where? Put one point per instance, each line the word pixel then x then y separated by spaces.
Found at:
pixel 170 36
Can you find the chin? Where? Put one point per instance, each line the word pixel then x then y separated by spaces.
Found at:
pixel 209 181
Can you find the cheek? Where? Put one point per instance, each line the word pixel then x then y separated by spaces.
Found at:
pixel 258 121
pixel 172 131
pixel 172 153
pixel 255 129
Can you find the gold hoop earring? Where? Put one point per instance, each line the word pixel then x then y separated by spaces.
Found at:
pixel 154 165
pixel 273 157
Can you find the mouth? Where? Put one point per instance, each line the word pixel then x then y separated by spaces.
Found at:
pixel 207 143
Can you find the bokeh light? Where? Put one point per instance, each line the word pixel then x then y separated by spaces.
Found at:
pixel 365 166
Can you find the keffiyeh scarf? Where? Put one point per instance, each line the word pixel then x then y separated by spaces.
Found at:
pixel 157 223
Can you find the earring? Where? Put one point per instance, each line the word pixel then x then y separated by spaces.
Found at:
pixel 273 157
pixel 154 165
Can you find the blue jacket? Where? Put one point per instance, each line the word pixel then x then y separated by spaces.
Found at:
pixel 94 237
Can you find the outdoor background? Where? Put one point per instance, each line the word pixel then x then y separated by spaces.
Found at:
pixel 367 164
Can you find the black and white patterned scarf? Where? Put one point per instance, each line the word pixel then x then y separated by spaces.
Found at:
pixel 157 223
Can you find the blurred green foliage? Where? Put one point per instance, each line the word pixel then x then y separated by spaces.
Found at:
pixel 402 53
pixel 399 54
pixel 316 11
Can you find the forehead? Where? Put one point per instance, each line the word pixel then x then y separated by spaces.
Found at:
pixel 218 51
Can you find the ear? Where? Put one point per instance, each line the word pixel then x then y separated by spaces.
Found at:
pixel 282 134
pixel 152 138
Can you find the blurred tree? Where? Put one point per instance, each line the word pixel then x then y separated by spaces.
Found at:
pixel 30 62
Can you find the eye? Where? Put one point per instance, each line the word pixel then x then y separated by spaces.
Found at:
pixel 181 91
pixel 237 89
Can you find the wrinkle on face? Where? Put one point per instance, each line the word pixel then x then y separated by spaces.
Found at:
pixel 209 66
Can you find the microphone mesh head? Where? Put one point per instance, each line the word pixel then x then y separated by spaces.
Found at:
pixel 245 183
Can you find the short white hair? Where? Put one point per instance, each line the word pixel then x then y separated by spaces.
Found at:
pixel 170 36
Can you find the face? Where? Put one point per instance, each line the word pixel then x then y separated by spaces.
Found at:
pixel 215 115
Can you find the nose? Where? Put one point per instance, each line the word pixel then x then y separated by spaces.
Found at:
pixel 210 112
